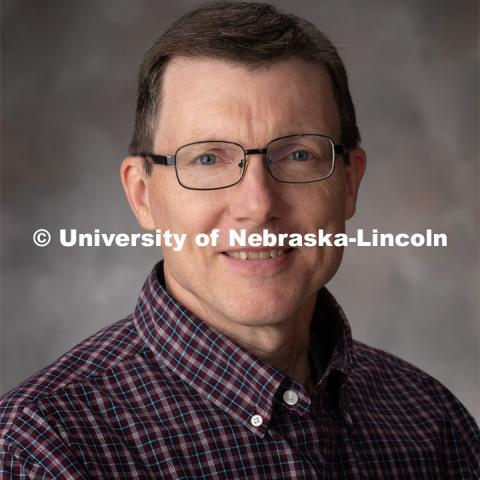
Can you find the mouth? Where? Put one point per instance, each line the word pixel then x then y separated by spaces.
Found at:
pixel 257 254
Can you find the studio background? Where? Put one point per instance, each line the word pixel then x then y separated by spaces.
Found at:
pixel 68 98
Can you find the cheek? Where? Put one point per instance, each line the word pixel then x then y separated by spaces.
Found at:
pixel 161 196
pixel 322 205
pixel 180 210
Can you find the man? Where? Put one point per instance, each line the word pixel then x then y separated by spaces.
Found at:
pixel 237 362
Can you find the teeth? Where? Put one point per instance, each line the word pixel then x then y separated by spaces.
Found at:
pixel 256 255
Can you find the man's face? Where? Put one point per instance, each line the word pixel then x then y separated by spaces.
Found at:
pixel 206 99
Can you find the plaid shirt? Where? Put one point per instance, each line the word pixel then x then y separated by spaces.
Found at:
pixel 162 395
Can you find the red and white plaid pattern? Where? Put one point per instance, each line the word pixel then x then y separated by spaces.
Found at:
pixel 162 395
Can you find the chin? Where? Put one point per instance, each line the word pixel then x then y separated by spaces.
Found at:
pixel 262 313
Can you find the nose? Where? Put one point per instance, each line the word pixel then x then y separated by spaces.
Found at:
pixel 256 199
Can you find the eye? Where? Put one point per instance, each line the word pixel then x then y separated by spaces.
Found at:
pixel 300 155
pixel 207 159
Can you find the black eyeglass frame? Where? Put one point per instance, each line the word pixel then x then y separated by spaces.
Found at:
pixel 168 160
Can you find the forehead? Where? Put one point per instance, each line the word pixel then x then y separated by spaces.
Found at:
pixel 212 99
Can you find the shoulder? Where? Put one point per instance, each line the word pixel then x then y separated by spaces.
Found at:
pixel 385 388
pixel 379 375
pixel 91 359
pixel 375 364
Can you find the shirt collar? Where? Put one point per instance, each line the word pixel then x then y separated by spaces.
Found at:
pixel 235 380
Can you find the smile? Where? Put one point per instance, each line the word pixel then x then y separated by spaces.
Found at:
pixel 256 254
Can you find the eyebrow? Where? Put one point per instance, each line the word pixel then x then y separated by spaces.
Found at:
pixel 210 135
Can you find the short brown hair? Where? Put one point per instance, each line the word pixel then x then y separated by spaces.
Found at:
pixel 253 35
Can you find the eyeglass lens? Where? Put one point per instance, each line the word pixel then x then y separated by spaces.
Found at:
pixel 216 164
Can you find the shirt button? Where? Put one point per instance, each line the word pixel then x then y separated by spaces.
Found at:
pixel 256 420
pixel 290 397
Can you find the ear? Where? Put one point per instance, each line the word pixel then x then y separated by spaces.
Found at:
pixel 135 182
pixel 354 173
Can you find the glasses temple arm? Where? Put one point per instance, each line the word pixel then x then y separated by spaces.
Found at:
pixel 159 159
pixel 340 150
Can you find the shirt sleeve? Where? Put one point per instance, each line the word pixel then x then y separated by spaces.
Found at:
pixel 461 438
pixel 10 468
pixel 33 449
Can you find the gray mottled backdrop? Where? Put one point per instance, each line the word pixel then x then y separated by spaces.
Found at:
pixel 68 92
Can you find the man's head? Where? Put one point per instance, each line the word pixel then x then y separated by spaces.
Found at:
pixel 251 35
pixel 246 74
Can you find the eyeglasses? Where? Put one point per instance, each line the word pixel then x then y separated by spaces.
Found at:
pixel 212 165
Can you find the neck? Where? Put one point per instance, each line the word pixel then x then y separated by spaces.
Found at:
pixel 283 344
pixel 290 355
